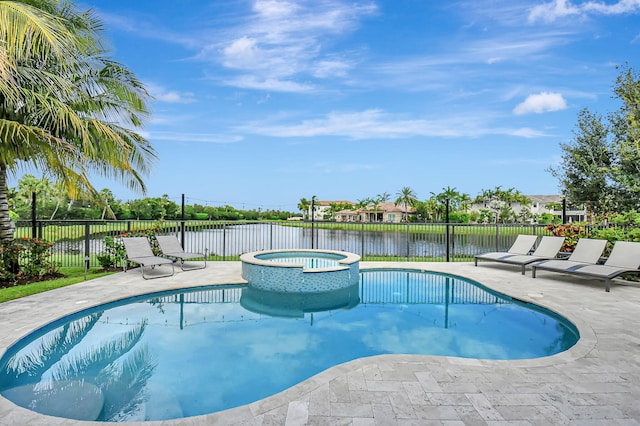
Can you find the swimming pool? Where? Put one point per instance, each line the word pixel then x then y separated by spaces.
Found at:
pixel 134 359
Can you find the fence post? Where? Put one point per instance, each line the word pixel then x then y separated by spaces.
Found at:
pixel 313 216
pixel 446 219
pixel 87 245
pixel 270 235
pixel 362 240
pixel 224 242
pixel 453 242
pixel 408 236
pixel 34 228
pixel 182 224
pixel 497 249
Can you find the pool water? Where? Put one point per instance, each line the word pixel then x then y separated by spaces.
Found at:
pixel 314 260
pixel 186 353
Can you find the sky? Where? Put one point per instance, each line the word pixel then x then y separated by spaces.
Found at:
pixel 259 103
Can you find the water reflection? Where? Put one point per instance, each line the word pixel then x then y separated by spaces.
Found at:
pixel 192 352
pixel 61 375
pixel 296 305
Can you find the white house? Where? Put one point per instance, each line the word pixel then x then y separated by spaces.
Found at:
pixel 540 204
pixel 322 208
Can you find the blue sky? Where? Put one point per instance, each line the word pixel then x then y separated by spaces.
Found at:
pixel 258 103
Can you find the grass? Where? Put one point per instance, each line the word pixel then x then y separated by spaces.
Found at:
pixel 72 276
pixel 415 227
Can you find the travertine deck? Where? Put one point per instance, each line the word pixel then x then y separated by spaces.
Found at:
pixel 595 382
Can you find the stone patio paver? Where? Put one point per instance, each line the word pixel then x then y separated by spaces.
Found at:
pixel 597 382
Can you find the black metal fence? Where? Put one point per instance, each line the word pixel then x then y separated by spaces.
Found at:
pixel 77 243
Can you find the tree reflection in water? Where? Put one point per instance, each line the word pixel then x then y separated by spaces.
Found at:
pixel 49 375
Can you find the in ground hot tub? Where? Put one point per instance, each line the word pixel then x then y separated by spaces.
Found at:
pixel 300 271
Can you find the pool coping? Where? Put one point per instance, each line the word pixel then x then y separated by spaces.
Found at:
pixel 564 295
pixel 349 258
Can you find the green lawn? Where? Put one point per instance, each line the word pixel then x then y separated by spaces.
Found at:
pixel 72 276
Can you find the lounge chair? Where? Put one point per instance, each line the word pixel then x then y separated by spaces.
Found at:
pixel 547 249
pixel 587 252
pixel 138 250
pixel 624 259
pixel 170 247
pixel 522 245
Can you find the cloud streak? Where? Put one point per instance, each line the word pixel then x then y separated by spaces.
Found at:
pixel 377 124
pixel 194 137
pixel 282 41
pixel 558 9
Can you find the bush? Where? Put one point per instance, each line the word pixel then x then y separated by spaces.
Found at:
pixel 114 252
pixel 547 218
pixel 571 232
pixel 26 259
pixel 459 217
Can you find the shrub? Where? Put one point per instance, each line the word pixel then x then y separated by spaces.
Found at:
pixel 571 232
pixel 459 217
pixel 26 259
pixel 114 252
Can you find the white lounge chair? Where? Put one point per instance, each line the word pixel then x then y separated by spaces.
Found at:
pixel 548 248
pixel 138 250
pixel 522 245
pixel 587 252
pixel 624 259
pixel 170 247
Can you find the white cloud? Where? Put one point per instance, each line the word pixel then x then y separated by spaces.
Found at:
pixel 330 68
pixel 161 94
pixel 282 39
pixel 527 132
pixel 194 137
pixel 269 84
pixel 557 9
pixel 541 102
pixel 377 124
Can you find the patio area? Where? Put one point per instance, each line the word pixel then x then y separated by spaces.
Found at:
pixel 595 382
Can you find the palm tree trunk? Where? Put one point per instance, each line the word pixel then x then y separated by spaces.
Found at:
pixel 6 225
pixel 55 210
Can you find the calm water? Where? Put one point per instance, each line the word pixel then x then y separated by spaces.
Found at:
pixel 238 239
pixel 194 352
pixel 309 260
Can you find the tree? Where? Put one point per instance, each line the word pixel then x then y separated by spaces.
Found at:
pixel 457 201
pixel 625 126
pixel 303 206
pixel 601 165
pixel 65 107
pixel 376 202
pixel 406 197
pixel 584 172
pixel 28 184
pixel 498 201
pixel 431 209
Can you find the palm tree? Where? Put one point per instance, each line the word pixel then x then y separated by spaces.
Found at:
pixel 406 197
pixel 28 184
pixel 303 206
pixel 65 107
pixel 379 199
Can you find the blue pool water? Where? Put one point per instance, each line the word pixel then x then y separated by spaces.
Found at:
pixel 313 260
pixel 198 351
